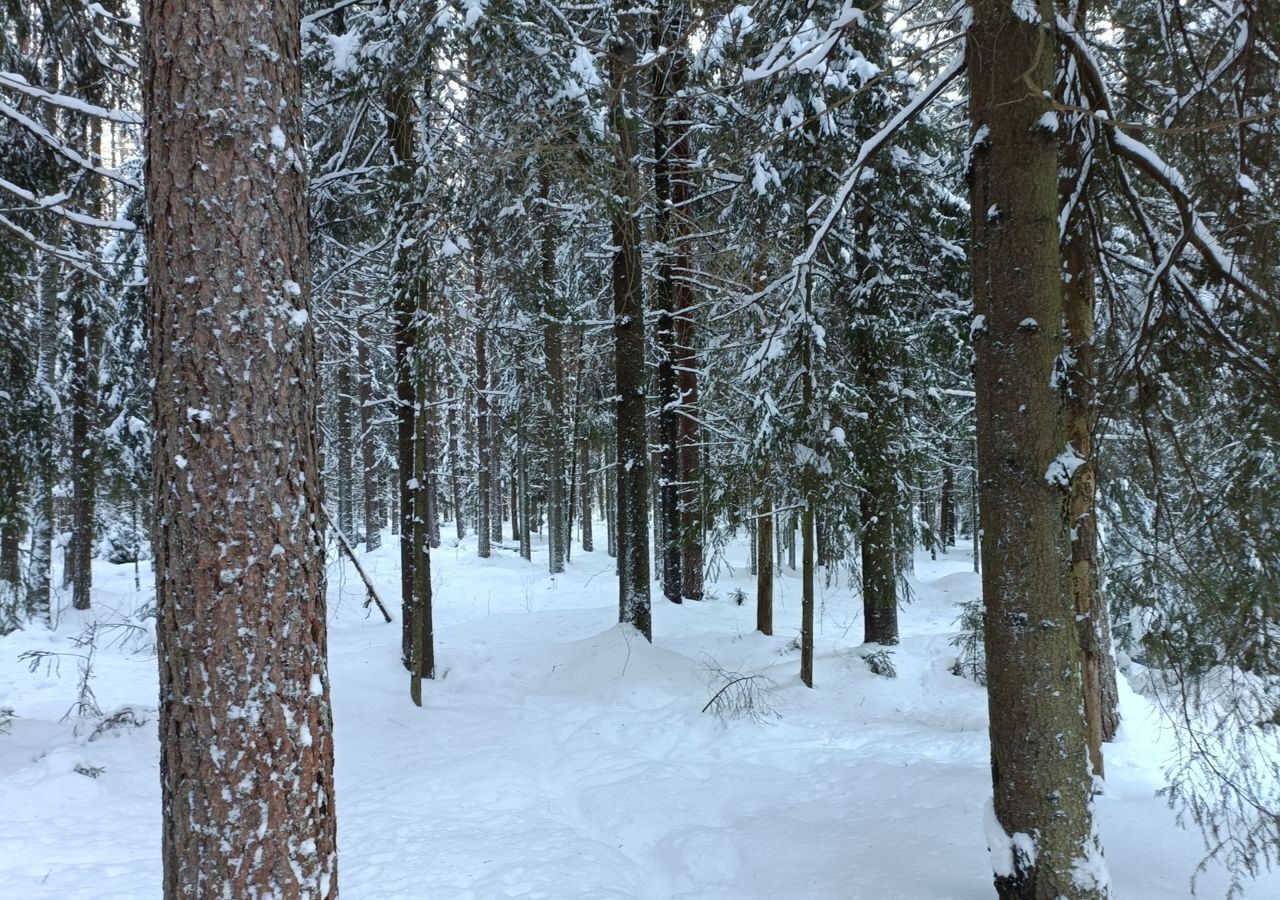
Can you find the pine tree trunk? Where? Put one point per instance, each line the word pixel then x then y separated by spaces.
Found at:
pixel 495 478
pixel 344 451
pixel 484 479
pixel 422 645
pixel 880 561
pixel 40 567
pixel 584 492
pixel 246 743
pixel 632 471
pixel 455 473
pixel 521 515
pixel 85 341
pixel 400 135
pixel 764 565
pixel 369 444
pixel 668 28
pixel 948 500
pixel 610 480
pixel 689 434
pixel 806 593
pixel 429 410
pixel 1042 789
pixel 552 345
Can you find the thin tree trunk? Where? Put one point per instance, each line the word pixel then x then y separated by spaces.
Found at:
pixel 611 505
pixel 1043 814
pixel 400 127
pixel 806 593
pixel 584 492
pixel 879 561
pixel 85 340
pixel 764 565
pixel 345 449
pixel 368 443
pixel 948 500
pixel 247 771
pixel 668 28
pixel 521 518
pixel 484 478
pixel 422 644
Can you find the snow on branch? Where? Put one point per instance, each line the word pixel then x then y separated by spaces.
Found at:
pixel 16 82
pixel 1217 258
pixel 875 143
pixel 53 203
pixel 59 147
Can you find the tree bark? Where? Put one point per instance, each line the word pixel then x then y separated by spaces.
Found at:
pixel 584 492
pixel 484 460
pixel 369 443
pixel 400 136
pixel 344 451
pixel 668 32
pixel 1046 844
pixel 764 565
pixel 85 347
pixel 552 344
pixel 246 743
pixel 880 560
pixel 632 471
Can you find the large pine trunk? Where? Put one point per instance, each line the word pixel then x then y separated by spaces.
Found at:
pixel 245 723
pixel 632 471
pixel 1043 842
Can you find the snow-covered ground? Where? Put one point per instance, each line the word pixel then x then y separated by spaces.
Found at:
pixel 556 756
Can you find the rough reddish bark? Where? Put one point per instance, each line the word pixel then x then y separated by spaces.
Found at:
pixel 246 747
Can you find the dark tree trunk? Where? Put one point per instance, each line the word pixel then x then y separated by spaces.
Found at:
pixel 245 723
pixel 85 346
pixel 668 32
pixel 455 473
pixel 764 566
pixel 689 435
pixel 1042 789
pixel 345 449
pixel 495 477
pixel 610 480
pixel 552 344
pixel 584 477
pixel 400 127
pixel 632 471
pixel 947 501
pixel 880 561
pixel 369 444
pixel 484 478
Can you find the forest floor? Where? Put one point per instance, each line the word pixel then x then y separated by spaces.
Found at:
pixel 558 756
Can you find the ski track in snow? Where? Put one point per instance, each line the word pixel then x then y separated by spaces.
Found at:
pixel 557 756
